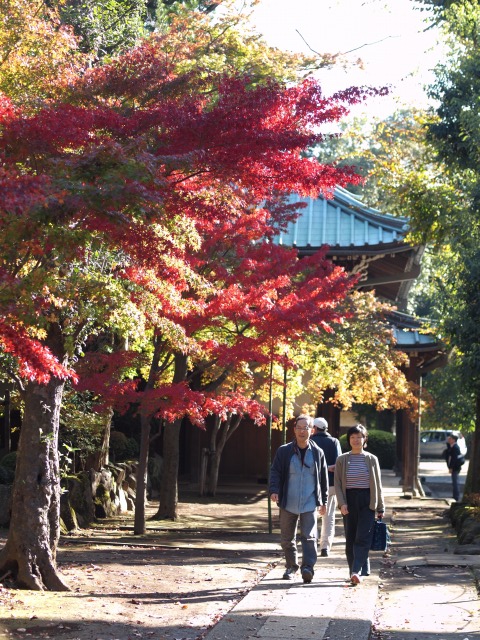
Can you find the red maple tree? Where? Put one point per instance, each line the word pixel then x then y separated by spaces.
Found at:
pixel 177 181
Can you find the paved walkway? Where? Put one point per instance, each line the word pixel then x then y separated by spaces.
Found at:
pixel 421 591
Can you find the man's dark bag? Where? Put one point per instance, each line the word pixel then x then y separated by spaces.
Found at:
pixel 380 537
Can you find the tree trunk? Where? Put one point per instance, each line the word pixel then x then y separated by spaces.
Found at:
pixel 31 548
pixel 168 507
pixel 212 483
pixel 99 459
pixel 145 421
pixel 142 470
pixel 216 450
pixel 214 456
pixel 472 482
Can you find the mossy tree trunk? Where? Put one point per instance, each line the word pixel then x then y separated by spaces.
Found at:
pixel 31 547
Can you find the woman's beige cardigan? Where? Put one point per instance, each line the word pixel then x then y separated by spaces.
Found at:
pixel 376 492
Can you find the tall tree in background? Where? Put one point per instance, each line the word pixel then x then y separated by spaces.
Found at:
pixel 206 6
pixel 105 29
pixel 455 136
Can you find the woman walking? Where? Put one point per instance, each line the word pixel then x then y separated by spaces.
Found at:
pixel 358 487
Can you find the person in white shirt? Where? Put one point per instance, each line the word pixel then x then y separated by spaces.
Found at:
pixel 332 449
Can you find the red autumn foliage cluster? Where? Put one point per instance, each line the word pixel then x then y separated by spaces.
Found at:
pixel 187 179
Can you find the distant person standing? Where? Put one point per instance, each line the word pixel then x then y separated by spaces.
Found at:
pixel 299 485
pixel 358 486
pixel 455 461
pixel 332 449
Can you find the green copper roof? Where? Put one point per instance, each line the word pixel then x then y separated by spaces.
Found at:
pixel 343 221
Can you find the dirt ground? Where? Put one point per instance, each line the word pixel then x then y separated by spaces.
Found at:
pixel 421 601
pixel 179 579
pixel 173 583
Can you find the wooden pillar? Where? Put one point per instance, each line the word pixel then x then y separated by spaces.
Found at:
pixel 331 413
pixel 408 459
pixel 399 445
pixel 410 439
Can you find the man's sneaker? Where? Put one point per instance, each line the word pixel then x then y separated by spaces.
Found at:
pixel 289 573
pixel 324 553
pixel 355 579
pixel 307 574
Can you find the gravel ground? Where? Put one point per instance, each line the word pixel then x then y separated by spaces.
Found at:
pixel 173 583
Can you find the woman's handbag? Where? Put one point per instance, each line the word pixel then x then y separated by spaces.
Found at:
pixel 380 537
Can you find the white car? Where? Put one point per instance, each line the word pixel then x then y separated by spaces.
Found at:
pixel 433 443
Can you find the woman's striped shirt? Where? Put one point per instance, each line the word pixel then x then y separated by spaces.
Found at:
pixel 358 475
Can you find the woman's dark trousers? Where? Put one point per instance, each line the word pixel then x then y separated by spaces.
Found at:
pixel 358 526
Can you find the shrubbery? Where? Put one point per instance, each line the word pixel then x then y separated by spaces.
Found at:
pixel 381 444
pixel 122 448
pixel 6 475
pixel 7 467
pixel 9 461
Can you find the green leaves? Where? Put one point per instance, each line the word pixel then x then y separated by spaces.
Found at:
pixel 106 27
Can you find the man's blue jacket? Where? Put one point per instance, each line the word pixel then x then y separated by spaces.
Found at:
pixel 280 472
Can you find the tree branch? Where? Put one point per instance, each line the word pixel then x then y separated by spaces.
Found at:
pixel 344 53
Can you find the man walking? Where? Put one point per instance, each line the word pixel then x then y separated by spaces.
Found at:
pixel 299 485
pixel 331 449
pixel 455 461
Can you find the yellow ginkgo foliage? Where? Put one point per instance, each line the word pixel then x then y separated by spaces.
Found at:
pixel 36 50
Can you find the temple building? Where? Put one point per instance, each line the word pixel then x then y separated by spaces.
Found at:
pixel 360 239
pixel 365 241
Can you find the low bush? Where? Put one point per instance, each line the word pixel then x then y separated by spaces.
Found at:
pixel 6 475
pixel 118 445
pixel 9 461
pixel 122 448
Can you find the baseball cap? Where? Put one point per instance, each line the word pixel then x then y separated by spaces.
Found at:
pixel 320 423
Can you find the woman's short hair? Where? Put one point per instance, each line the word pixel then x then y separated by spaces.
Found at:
pixel 358 428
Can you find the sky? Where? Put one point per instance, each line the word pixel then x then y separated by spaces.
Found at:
pixel 390 37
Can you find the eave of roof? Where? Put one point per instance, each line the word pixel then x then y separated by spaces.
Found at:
pixel 345 225
pixel 412 336
pixel 410 340
pixel 359 237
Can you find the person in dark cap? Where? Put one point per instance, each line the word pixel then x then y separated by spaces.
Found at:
pixel 331 449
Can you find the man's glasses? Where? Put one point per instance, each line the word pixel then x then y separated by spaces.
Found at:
pixel 302 428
